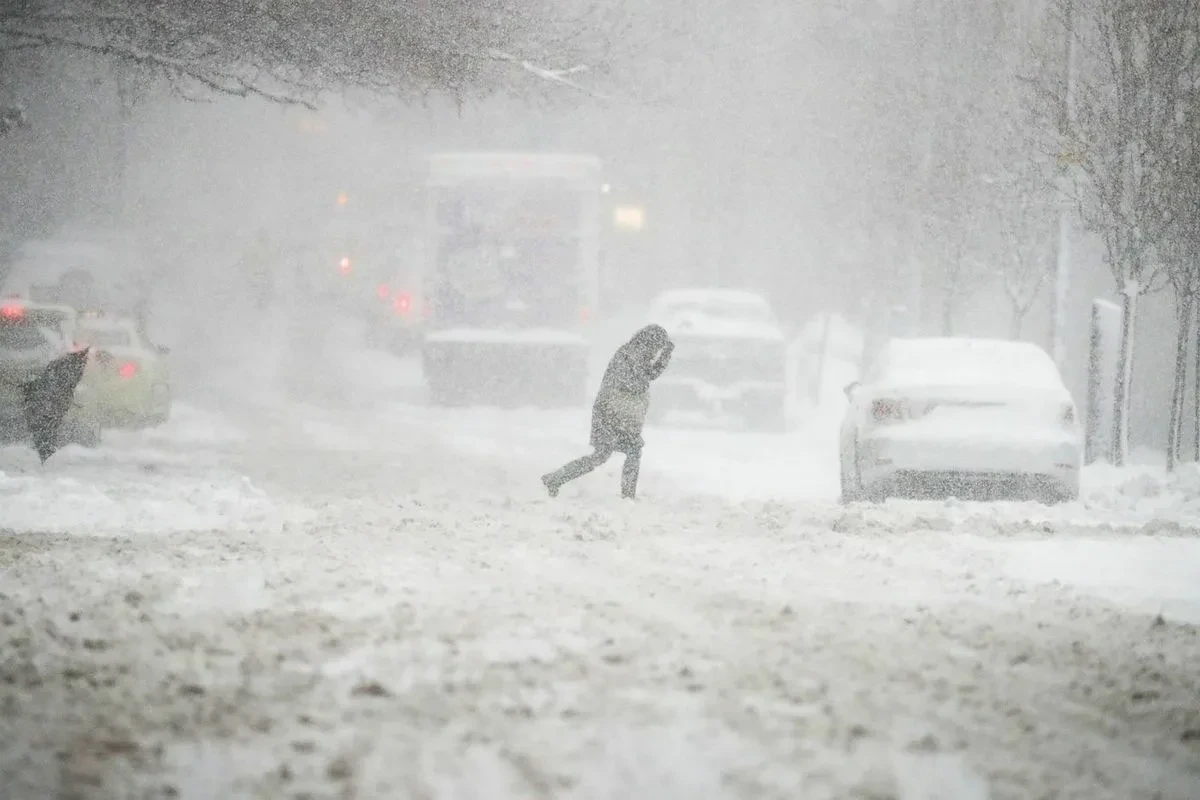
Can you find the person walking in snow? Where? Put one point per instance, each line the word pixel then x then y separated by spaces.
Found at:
pixel 620 409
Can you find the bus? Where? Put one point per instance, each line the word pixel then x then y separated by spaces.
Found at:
pixel 510 279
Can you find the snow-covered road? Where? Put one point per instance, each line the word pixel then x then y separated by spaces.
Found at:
pixel 305 601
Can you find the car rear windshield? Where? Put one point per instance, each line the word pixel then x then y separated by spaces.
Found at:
pixel 110 337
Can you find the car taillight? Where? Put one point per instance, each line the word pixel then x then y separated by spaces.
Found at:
pixel 402 303
pixel 384 291
pixel 888 410
pixel 12 312
pixel 344 266
pixel 585 314
pixel 127 370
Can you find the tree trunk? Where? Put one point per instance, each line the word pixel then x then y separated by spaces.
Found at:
pixel 948 299
pixel 1183 334
pixel 1196 401
pixel 1017 324
pixel 1120 439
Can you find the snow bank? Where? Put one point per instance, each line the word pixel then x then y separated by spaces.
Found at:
pixel 1145 492
pixel 95 504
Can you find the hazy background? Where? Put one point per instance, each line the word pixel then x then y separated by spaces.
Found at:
pixel 836 156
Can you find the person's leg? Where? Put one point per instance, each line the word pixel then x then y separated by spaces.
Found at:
pixel 575 469
pixel 629 472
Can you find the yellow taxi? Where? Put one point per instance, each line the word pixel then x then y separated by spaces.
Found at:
pixel 127 379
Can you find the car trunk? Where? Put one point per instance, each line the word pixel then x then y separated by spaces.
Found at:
pixel 974 410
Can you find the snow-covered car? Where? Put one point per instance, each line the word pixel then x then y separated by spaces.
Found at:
pixel 952 417
pixel 127 378
pixel 31 336
pixel 730 356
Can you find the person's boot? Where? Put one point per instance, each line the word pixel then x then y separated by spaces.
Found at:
pixel 551 486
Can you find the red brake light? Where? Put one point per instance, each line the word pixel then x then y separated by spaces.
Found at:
pixel 402 303
pixel 383 290
pixel 585 314
pixel 127 370
pixel 888 410
pixel 344 265
pixel 12 312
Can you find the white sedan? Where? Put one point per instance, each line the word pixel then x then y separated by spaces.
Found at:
pixel 955 417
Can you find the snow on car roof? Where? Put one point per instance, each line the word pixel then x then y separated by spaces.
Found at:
pixel 965 360
pixel 721 313
pixel 711 296
pixel 721 329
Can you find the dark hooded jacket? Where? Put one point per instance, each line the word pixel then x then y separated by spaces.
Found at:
pixel 619 412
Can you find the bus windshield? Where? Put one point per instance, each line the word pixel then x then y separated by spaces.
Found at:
pixel 508 251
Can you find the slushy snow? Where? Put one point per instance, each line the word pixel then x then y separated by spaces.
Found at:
pixel 286 601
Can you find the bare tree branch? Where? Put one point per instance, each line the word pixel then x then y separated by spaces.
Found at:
pixel 292 51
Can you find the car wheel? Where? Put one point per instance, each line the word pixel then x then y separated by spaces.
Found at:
pixel 851 490
pixel 878 493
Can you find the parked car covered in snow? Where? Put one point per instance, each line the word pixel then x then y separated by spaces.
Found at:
pixel 950 417
pixel 730 356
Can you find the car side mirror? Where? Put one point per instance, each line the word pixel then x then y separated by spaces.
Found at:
pixel 850 388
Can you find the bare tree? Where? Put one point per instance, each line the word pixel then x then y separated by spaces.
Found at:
pixel 1023 211
pixel 961 270
pixel 291 51
pixel 1180 159
pixel 1130 54
pixel 1185 280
